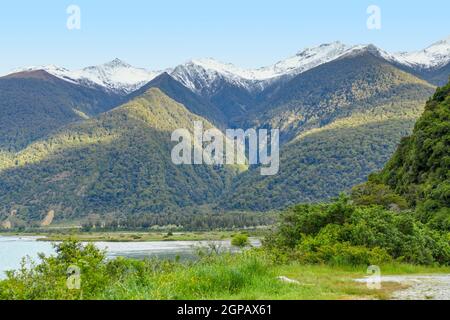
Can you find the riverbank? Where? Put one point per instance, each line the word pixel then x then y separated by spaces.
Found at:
pixel 133 236
pixel 251 275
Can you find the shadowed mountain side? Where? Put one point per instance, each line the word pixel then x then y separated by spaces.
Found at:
pixel 319 166
pixel 437 76
pixel 115 163
pixel 193 102
pixel 33 104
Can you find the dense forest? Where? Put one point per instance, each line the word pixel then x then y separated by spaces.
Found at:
pixel 419 171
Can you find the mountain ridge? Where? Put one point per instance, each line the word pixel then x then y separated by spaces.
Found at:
pixel 121 77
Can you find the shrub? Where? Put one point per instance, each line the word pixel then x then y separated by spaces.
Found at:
pixel 240 240
pixel 48 279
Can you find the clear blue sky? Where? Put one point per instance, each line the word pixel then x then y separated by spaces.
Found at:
pixel 160 34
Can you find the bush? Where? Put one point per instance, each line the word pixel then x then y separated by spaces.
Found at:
pixel 372 193
pixel 240 240
pixel 341 233
pixel 48 279
pixel 341 254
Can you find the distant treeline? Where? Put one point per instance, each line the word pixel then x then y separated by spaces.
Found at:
pixel 180 221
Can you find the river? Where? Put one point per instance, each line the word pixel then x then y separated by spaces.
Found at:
pixel 13 249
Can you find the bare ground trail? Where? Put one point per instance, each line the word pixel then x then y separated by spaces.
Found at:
pixel 419 287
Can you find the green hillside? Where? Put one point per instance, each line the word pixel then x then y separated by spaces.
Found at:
pixel 193 102
pixel 336 90
pixel 118 163
pixel 420 168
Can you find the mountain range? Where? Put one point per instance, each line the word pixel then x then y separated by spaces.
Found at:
pixel 200 75
pixel 97 141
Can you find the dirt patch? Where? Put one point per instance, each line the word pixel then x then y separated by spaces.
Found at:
pixel 6 224
pixel 419 287
pixel 48 218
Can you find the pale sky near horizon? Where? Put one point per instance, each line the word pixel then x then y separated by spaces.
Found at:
pixel 249 33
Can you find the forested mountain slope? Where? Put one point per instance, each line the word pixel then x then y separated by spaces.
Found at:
pixel 32 104
pixel 192 101
pixel 335 90
pixel 118 163
pixel 340 121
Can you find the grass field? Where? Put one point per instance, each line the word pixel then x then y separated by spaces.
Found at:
pixel 252 279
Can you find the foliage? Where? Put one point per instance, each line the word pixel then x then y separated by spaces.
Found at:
pixel 240 240
pixel 372 193
pixel 249 275
pixel 419 171
pixel 344 233
pixel 48 279
pixel 213 275
pixel 187 219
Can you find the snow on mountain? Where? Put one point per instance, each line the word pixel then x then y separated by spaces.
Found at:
pixel 204 73
pixel 358 49
pixel 207 75
pixel 435 56
pixel 303 61
pixel 59 72
pixel 203 76
pixel 116 76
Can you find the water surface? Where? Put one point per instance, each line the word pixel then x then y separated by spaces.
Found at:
pixel 14 248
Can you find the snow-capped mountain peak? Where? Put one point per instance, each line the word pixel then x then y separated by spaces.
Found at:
pixel 214 65
pixel 117 63
pixel 369 48
pixel 208 75
pixel 434 56
pixel 304 60
pixel 202 74
pixel 199 74
pixel 57 71
pixel 116 75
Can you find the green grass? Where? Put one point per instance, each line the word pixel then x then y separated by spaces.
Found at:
pixel 253 278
